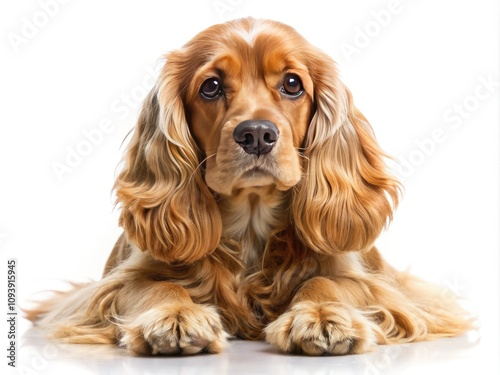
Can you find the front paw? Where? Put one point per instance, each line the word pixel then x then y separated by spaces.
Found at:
pixel 175 329
pixel 327 328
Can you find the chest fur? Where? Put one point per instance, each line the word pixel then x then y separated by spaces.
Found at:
pixel 250 218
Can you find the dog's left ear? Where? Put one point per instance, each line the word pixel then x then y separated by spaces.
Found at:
pixel 346 196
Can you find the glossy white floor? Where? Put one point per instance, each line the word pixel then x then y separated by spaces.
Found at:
pixel 460 355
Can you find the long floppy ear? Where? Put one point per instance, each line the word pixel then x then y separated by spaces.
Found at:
pixel 346 197
pixel 167 209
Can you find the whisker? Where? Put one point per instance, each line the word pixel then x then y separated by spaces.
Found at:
pixel 199 165
pixel 300 152
pixel 303 156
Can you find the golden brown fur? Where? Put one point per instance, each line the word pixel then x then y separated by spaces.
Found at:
pixel 277 246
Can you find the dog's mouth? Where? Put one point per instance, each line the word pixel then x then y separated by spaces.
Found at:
pixel 256 172
pixel 256 177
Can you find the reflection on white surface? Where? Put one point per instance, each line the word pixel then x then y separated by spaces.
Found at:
pixel 461 355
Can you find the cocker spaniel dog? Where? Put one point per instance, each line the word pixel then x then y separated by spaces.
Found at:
pixel 251 195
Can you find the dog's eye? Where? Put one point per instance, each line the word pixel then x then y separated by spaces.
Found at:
pixel 211 88
pixel 292 85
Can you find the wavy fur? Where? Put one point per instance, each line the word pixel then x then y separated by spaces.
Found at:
pixel 219 241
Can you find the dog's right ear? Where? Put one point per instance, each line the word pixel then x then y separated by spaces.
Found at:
pixel 167 209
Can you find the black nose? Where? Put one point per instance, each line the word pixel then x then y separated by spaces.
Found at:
pixel 256 136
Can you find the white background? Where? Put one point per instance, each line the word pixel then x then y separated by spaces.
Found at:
pixel 64 73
